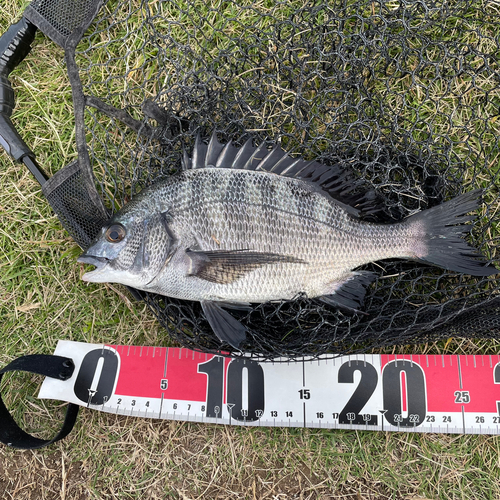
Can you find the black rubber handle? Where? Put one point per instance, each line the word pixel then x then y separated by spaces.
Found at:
pixel 10 139
pixel 15 45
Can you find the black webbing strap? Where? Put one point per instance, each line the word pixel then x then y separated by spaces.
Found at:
pixel 50 366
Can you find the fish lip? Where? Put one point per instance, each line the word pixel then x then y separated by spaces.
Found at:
pixel 100 264
pixel 92 259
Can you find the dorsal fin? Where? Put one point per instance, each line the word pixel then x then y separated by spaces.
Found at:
pixel 227 156
pixel 199 153
pixel 243 154
pixel 185 161
pixel 213 151
pixel 334 180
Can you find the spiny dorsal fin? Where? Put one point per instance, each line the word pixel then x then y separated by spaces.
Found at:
pixel 243 154
pixel 227 156
pixel 334 180
pixel 199 153
pixel 186 161
pixel 213 151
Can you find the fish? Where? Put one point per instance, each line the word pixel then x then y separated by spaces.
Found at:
pixel 237 226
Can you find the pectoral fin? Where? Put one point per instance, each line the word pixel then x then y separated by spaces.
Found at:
pixel 227 328
pixel 226 266
pixel 349 293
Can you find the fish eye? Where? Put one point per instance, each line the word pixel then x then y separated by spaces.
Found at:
pixel 115 233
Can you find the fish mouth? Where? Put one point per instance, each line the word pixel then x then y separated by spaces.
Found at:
pixel 100 263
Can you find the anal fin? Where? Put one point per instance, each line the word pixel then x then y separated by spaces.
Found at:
pixel 349 294
pixel 227 328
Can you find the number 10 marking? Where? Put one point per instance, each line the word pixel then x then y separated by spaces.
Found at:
pixel 245 411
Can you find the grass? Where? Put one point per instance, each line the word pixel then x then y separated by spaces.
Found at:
pixel 42 299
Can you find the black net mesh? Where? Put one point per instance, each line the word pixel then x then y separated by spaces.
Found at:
pixel 59 18
pixel 69 196
pixel 406 94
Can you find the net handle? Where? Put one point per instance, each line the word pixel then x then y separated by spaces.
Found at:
pixel 15 44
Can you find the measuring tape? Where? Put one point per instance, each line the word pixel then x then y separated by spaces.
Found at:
pixel 417 393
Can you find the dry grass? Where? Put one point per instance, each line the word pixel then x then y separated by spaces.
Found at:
pixel 42 299
pixel 116 457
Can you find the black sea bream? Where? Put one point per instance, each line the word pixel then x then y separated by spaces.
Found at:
pixel 248 225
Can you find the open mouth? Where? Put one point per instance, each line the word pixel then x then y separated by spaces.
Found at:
pixel 100 264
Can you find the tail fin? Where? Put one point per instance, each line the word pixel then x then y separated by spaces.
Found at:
pixel 444 245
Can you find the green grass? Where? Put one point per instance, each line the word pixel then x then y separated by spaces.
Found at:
pixel 42 299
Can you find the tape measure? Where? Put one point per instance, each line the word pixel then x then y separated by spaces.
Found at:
pixel 416 393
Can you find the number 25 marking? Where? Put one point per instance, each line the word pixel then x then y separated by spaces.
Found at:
pixel 462 397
